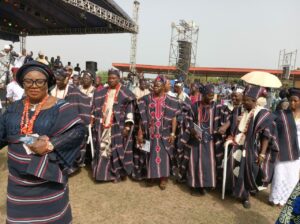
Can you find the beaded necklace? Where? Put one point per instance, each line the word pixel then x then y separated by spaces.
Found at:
pixel 203 116
pixel 104 108
pixel 26 124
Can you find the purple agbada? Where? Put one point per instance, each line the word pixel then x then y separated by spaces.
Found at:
pixel 155 116
pixel 119 163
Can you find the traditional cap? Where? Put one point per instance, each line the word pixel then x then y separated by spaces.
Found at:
pixel 294 92
pixel 41 53
pixel 114 72
pixel 207 89
pixel 60 73
pixel 178 83
pixel 160 78
pixel 255 91
pixel 35 66
pixel 88 73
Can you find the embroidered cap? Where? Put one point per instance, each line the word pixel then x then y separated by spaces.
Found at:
pixel 160 78
pixel 207 89
pixel 114 72
pixel 255 91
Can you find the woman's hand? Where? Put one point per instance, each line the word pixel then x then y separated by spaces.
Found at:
pixel 41 146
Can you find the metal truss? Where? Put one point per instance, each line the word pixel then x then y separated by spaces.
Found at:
pixel 104 14
pixel 133 49
pixel 183 31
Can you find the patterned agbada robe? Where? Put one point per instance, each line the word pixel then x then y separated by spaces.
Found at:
pixel 183 135
pixel 287 166
pixel 82 105
pixel 81 102
pixel 156 116
pixel 202 156
pixel 244 174
pixel 288 140
pixel 117 162
pixel 234 116
pixel 37 189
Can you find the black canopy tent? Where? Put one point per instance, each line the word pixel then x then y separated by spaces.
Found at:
pixel 61 17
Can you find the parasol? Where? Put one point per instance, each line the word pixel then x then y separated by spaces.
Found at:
pixel 263 79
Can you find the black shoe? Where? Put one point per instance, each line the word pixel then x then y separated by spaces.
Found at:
pixel 195 192
pixel 246 204
pixel 202 191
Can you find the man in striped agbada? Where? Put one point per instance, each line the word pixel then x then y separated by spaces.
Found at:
pixel 205 144
pixel 254 148
pixel 113 112
pixel 157 124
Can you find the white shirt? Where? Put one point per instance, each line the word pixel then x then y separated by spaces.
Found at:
pixel 14 91
pixel 170 93
pixel 140 93
pixel 19 61
pixel 60 94
pixel 88 92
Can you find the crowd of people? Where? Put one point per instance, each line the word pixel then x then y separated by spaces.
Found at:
pixel 61 122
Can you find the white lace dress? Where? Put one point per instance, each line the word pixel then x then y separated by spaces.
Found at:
pixel 286 177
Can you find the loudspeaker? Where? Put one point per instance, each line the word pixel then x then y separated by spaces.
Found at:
pixel 91 65
pixel 286 71
pixel 184 58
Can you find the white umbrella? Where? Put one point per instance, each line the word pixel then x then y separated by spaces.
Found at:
pixel 263 79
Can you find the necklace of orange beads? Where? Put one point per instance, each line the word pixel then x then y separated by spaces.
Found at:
pixel 26 124
pixel 105 105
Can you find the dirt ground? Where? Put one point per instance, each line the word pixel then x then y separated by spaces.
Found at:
pixel 132 202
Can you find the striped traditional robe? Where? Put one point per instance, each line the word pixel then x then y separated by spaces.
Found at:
pixel 119 163
pixel 37 189
pixel 156 116
pixel 288 141
pixel 248 175
pixel 204 154
pixel 183 135
pixel 82 104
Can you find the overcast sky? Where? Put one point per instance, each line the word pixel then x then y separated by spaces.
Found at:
pixel 233 33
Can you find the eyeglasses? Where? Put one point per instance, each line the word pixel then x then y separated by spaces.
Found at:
pixel 37 82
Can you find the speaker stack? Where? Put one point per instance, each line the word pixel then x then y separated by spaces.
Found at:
pixel 184 58
pixel 286 71
pixel 91 65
